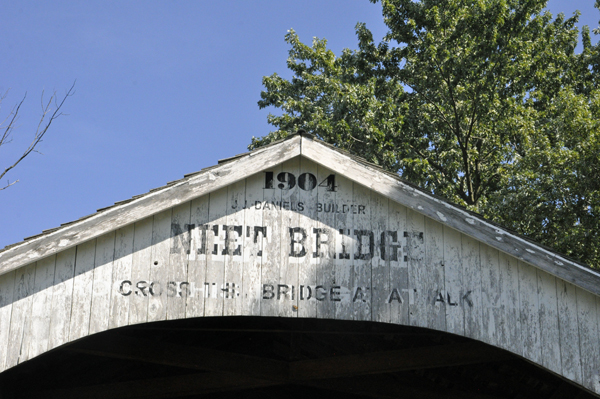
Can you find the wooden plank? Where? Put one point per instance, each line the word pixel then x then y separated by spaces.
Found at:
pixel 587 319
pixel 62 297
pixel 509 277
pixel 21 309
pixel 569 333
pixel 285 296
pixel 233 277
pixel 549 322
pixel 364 247
pixel 434 263
pixel 453 281
pixel 254 238
pixel 308 266
pixel 345 246
pixel 7 286
pixel 123 287
pixel 140 271
pixel 323 217
pixel 102 283
pixel 418 295
pixel 530 312
pixel 215 260
pixel 272 250
pixel 452 216
pixel 197 260
pixel 41 306
pixel 398 300
pixel 82 290
pixel 491 288
pixel 470 297
pixel 161 250
pixel 27 325
pixel 381 261
pixel 150 204
pixel 177 269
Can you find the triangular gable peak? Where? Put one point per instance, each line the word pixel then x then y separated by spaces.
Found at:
pixel 299 229
pixel 354 168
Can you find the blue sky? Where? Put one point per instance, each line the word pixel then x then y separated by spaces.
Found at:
pixel 164 88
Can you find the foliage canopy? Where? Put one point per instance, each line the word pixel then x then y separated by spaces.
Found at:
pixel 484 102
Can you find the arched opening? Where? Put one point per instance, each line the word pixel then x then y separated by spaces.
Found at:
pixel 234 357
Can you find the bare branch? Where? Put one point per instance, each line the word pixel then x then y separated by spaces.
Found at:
pixel 8 184
pixel 42 128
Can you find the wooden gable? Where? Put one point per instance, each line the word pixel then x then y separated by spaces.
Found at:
pixel 299 229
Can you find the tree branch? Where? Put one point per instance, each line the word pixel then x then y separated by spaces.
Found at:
pixel 42 128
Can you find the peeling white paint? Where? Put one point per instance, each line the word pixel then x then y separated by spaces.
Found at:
pixel 470 221
pixel 499 238
pixel 441 216
pixel 419 207
pixel 558 263
pixel 529 250
pixel 63 243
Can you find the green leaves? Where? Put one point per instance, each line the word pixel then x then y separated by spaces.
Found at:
pixel 481 101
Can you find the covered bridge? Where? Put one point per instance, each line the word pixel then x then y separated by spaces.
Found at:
pixel 294 270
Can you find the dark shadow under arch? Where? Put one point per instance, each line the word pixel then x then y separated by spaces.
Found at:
pixel 241 357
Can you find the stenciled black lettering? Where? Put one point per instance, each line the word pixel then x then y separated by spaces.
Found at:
pixel 171 289
pixel 203 239
pixel 122 288
pixel 395 296
pixel 282 290
pixel 321 238
pixel 344 254
pixel 184 289
pixel 307 181
pixel 288 178
pixel 268 180
pixel 389 239
pixel 215 230
pixel 232 233
pixel 440 297
pixel 229 290
pixel 294 242
pixel 268 291
pixel 320 296
pixel 360 254
pixel 450 300
pixel 334 293
pixel 360 294
pixel 179 239
pixel 155 288
pixel 467 298
pixel 142 286
pixel 259 230
pixel 302 292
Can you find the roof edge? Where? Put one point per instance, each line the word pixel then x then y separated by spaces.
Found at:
pixel 158 200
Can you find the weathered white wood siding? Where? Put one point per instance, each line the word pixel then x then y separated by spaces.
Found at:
pixel 300 240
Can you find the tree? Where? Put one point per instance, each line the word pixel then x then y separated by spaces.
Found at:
pixel 50 112
pixel 469 99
